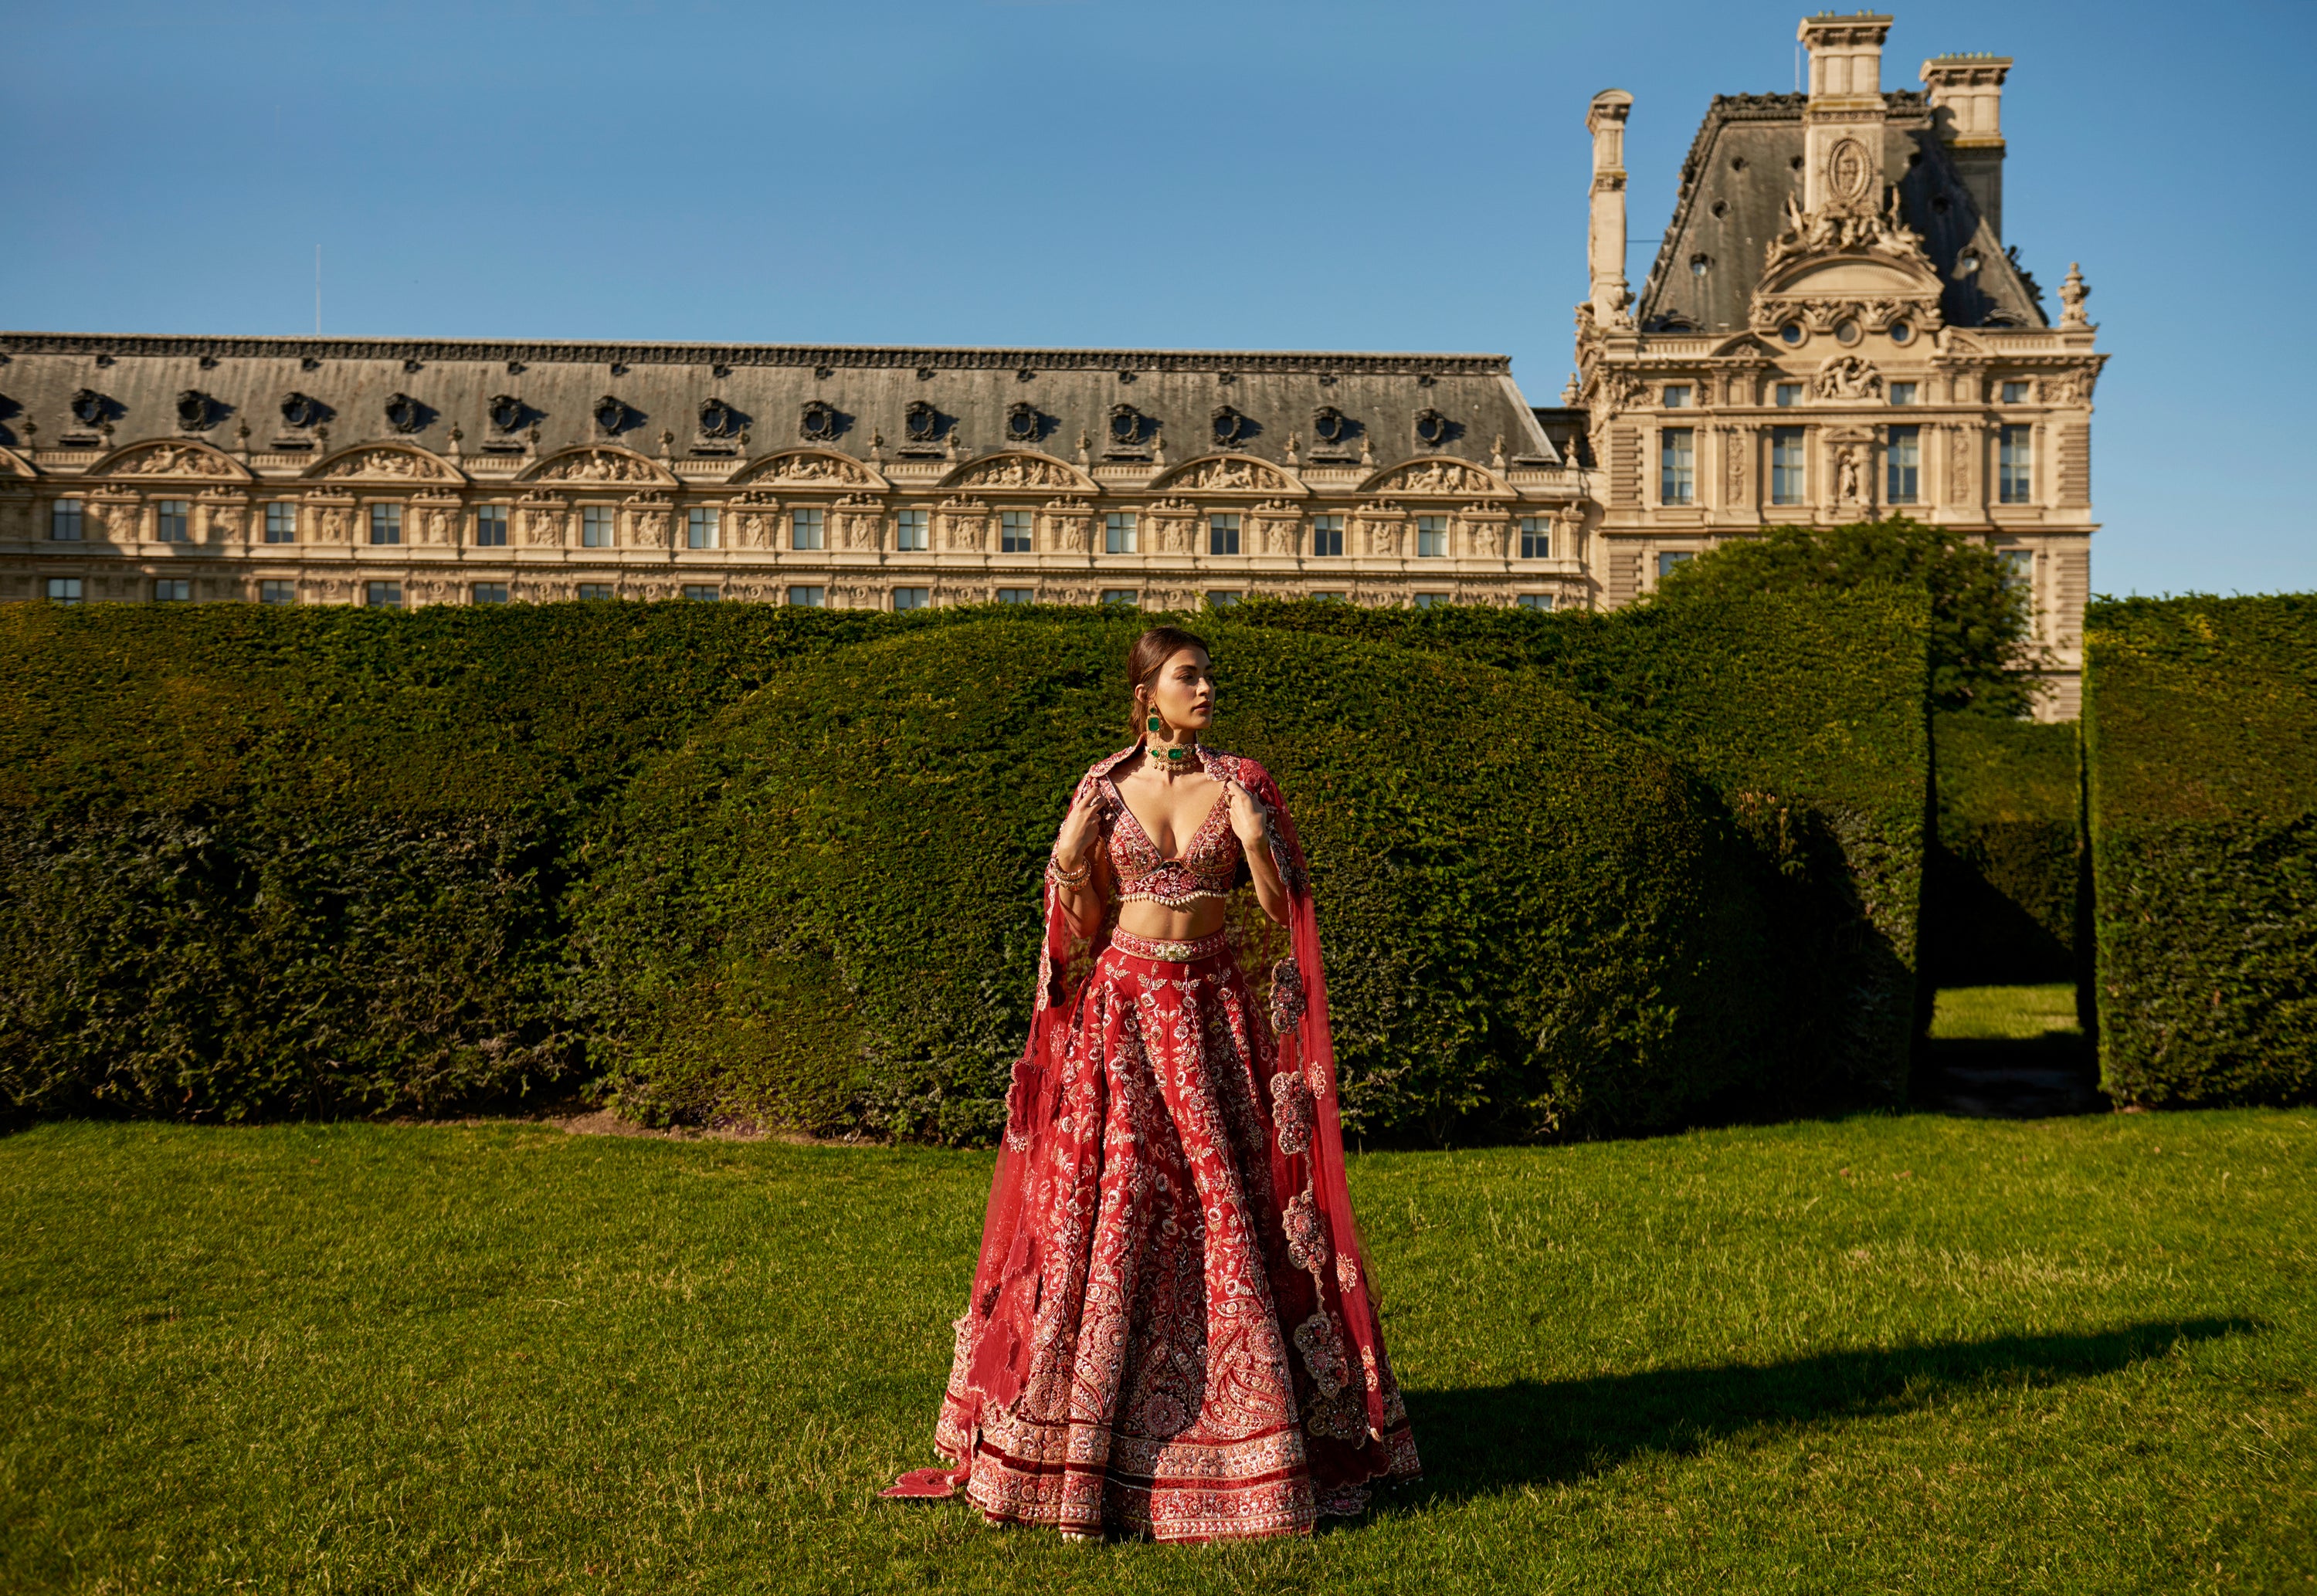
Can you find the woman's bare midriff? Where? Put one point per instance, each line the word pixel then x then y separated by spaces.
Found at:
pixel 1201 918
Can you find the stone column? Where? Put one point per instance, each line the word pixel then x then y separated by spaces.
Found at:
pixel 1604 248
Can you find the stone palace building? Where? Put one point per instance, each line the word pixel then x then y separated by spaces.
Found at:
pixel 1832 329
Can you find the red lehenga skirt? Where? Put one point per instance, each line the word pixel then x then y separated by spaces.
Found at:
pixel 1182 1381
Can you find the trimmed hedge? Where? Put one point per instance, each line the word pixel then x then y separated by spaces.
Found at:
pixel 2200 735
pixel 1807 714
pixel 264 862
pixel 824 911
pixel 2006 864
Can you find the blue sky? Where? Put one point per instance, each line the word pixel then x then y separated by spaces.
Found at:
pixel 1252 175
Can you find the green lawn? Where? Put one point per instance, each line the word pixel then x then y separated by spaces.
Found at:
pixel 2003 1013
pixel 1889 1354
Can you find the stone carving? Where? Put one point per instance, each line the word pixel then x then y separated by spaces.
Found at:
pixel 1846 377
pixel 1240 475
pixel 402 464
pixel 1851 475
pixel 172 460
pixel 2074 292
pixel 598 465
pixel 809 467
pixel 434 525
pixel 1436 477
pixel 1959 488
pixel 1016 470
pixel 1846 226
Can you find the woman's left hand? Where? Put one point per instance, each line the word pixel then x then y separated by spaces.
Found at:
pixel 1246 819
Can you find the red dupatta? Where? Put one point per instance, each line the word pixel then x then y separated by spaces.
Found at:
pixel 1006 1281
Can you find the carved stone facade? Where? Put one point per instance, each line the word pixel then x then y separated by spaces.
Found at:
pixel 342 472
pixel 1832 330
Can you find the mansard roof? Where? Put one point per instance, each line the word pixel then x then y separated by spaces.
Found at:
pixel 1744 163
pixel 955 403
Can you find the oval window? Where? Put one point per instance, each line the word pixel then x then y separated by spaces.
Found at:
pixel 1847 332
pixel 1791 332
pixel 1901 333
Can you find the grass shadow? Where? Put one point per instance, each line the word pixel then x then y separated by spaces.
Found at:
pixel 1484 1440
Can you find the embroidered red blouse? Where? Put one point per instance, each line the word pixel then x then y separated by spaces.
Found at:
pixel 1208 866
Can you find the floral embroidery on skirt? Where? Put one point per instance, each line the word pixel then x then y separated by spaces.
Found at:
pixel 1187 1377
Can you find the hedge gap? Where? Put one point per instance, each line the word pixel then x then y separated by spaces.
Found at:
pixel 2002 904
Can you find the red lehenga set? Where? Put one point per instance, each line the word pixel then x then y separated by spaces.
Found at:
pixel 1172 1331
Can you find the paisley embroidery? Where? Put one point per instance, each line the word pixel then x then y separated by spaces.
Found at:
pixel 1307 1233
pixel 1286 995
pixel 1347 1274
pixel 1291 1110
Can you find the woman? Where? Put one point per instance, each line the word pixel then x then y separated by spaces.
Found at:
pixel 1172 1331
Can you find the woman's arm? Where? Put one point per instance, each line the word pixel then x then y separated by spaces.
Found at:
pixel 1250 824
pixel 1081 868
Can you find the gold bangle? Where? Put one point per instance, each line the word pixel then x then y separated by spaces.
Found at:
pixel 1063 877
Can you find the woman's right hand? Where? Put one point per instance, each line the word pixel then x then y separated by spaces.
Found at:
pixel 1081 832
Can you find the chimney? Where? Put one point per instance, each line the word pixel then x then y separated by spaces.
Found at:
pixel 1842 124
pixel 1967 109
pixel 1605 244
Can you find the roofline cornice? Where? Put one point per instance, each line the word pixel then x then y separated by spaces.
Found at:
pixel 855 357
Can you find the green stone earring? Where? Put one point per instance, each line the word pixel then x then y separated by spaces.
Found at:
pixel 1154 724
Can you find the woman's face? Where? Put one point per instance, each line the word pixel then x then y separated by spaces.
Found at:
pixel 1184 695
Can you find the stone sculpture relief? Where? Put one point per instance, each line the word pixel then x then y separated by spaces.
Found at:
pixel 1846 377
pixel 401 464
pixel 1018 471
pixel 1436 476
pixel 597 464
pixel 172 460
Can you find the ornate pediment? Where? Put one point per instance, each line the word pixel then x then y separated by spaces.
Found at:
pixel 1437 476
pixel 1231 474
pixel 385 462
pixel 809 468
pixel 597 462
pixel 171 460
pixel 1846 263
pixel 1019 468
pixel 13 464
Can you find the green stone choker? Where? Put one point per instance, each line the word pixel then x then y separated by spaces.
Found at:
pixel 1174 757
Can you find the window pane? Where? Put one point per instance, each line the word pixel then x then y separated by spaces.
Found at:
pixel 277 592
pixel 1677 475
pixel 1677 395
pixel 2015 464
pixel 807 598
pixel 1536 601
pixel 1671 557
pixel 1903 393
pixel 1787 393
pixel 175 521
pixel 65 522
pixel 1016 595
pixel 1536 538
pixel 386 523
pixel 64 590
pixel 805 532
pixel 1119 533
pixel 172 591
pixel 597 527
pixel 1431 536
pixel 912 598
pixel 489 593
pixel 2015 393
pixel 1328 536
pixel 1328 598
pixel 1123 596
pixel 910 530
pixel 1014 531
pixel 383 595
pixel 1221 600
pixel 703 594
pixel 1904 458
pixel 1222 534
pixel 703 526
pixel 597 590
pixel 1786 478
pixel 1425 600
pixel 281 524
